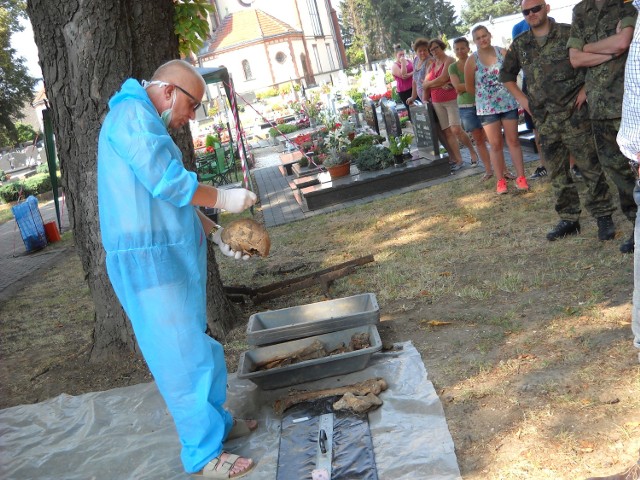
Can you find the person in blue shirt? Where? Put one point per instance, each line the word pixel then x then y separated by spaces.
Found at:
pixel 155 241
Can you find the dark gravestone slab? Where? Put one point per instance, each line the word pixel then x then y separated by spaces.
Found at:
pixel 370 115
pixel 391 119
pixel 365 184
pixel 424 127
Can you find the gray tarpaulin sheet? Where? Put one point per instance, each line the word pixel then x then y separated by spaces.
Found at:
pixel 127 433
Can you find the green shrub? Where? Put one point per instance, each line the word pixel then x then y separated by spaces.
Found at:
pixel 355 151
pixel 357 97
pixel 394 95
pixel 374 158
pixel 3 176
pixel 44 167
pixel 365 140
pixel 10 192
pixel 39 183
pixel 284 128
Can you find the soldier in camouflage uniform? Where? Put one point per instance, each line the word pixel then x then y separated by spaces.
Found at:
pixel 556 101
pixel 601 32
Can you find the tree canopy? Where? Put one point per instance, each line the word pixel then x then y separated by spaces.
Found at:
pixel 379 24
pixel 15 82
pixel 479 10
pixel 192 26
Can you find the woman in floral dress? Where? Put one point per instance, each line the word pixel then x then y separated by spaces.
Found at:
pixel 496 107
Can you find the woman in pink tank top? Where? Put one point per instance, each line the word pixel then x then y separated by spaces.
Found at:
pixel 402 71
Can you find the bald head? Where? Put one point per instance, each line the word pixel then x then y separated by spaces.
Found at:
pixel 175 71
pixel 180 88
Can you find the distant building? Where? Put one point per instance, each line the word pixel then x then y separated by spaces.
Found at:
pixel 263 43
pixel 38 104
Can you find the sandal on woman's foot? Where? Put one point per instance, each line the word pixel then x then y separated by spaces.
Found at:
pixel 509 176
pixel 241 428
pixel 221 469
pixel 487 176
pixel 474 163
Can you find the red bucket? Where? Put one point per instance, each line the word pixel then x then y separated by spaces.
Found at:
pixel 51 231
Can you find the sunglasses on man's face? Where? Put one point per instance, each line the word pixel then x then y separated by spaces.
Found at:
pixel 197 103
pixel 535 9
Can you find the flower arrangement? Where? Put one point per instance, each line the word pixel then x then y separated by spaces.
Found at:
pixel 377 97
pixel 302 138
pixel 336 158
pixel 339 137
pixel 312 106
pixel 398 144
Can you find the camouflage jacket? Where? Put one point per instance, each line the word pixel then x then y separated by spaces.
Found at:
pixel 604 82
pixel 552 83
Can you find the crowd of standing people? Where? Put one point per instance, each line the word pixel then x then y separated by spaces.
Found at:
pixel 571 98
pixel 582 96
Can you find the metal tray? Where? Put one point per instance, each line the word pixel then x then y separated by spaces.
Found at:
pixel 308 370
pixel 276 326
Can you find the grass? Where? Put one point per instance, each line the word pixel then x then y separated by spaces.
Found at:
pixel 5 213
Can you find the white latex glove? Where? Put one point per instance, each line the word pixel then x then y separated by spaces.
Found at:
pixel 226 250
pixel 235 200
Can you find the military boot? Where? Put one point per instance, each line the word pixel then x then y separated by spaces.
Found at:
pixel 628 245
pixel 606 228
pixel 562 229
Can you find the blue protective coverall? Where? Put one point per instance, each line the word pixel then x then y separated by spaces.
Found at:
pixel 156 260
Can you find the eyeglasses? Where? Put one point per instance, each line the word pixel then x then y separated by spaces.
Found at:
pixel 435 49
pixel 197 105
pixel 536 9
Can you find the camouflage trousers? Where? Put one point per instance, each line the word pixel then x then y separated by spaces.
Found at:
pixel 574 137
pixel 615 164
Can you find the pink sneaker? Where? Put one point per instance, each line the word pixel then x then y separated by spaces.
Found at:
pixel 521 183
pixel 501 188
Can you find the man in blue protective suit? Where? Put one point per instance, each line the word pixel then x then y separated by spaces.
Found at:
pixel 155 241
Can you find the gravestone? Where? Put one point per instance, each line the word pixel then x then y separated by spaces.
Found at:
pixel 354 113
pixel 423 121
pixel 391 120
pixel 370 115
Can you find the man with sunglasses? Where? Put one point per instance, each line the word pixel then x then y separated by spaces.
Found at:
pixel 556 101
pixel 155 239
pixel 601 33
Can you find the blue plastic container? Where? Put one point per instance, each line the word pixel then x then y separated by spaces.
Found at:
pixel 30 222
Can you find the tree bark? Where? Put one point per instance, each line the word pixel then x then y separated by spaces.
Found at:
pixel 86 51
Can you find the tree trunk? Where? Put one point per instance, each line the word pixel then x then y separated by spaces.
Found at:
pixel 86 51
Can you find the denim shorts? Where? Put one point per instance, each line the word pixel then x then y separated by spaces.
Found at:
pixel 497 117
pixel 469 119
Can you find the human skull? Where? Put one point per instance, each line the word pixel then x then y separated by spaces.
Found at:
pixel 248 236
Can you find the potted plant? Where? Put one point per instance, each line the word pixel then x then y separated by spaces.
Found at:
pixel 338 163
pixel 397 146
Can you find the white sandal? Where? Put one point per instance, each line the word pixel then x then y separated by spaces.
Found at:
pixel 220 470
